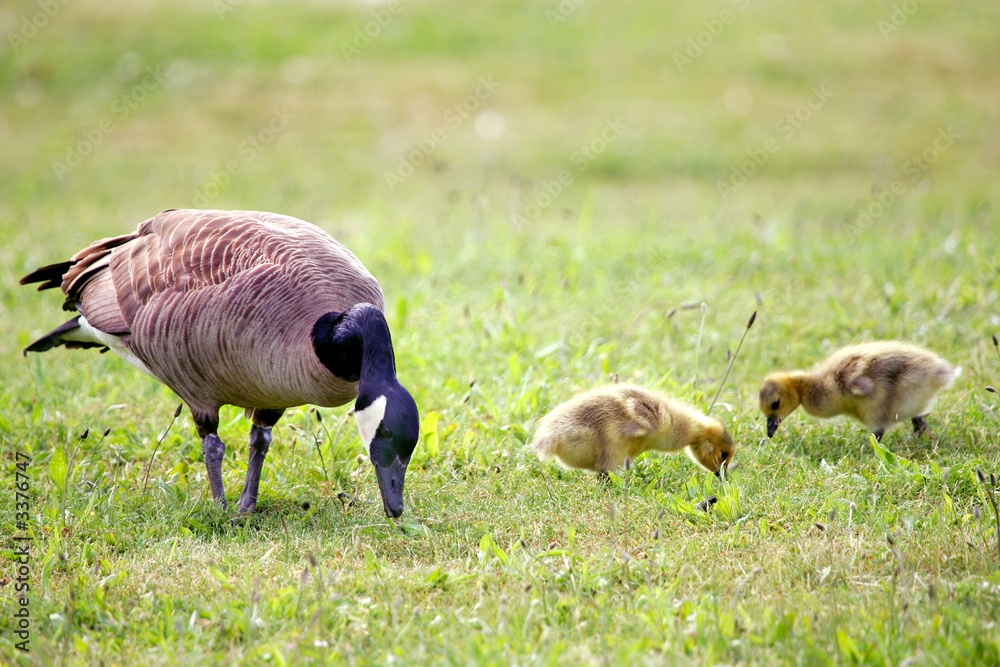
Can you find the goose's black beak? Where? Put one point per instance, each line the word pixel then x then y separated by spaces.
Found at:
pixel 772 426
pixel 390 484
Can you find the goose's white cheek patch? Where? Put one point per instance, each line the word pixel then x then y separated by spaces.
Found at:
pixel 368 421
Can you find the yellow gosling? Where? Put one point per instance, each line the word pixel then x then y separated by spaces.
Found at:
pixel 599 429
pixel 878 383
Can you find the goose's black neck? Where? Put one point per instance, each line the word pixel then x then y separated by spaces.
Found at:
pixel 356 345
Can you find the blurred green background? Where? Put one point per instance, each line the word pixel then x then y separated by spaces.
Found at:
pixel 525 179
pixel 182 85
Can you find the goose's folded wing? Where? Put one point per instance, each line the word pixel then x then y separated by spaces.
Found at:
pixel 640 418
pixel 183 250
pixel 853 376
pixel 862 386
pixel 633 429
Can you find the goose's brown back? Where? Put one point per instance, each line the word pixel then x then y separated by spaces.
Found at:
pixel 220 305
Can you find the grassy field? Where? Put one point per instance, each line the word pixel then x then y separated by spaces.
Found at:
pixel 525 179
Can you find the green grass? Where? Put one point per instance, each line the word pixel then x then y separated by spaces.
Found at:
pixel 823 547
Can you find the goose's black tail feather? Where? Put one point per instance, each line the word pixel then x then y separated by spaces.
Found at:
pixel 50 276
pixel 55 337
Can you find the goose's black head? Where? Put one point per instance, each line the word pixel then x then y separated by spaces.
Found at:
pixel 355 345
pixel 389 426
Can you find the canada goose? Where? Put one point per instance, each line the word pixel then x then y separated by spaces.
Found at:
pixel 599 429
pixel 258 310
pixel 877 383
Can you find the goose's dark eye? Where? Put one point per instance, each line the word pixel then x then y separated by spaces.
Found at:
pixel 774 406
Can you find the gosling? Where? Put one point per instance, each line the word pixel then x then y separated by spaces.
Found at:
pixel 878 383
pixel 600 429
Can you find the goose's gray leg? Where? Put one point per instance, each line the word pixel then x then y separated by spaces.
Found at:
pixel 260 442
pixel 214 450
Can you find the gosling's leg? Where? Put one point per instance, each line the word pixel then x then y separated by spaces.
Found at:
pixel 919 425
pixel 214 450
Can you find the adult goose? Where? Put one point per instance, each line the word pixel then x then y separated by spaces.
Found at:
pixel 258 310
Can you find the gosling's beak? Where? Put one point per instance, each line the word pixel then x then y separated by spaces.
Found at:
pixel 772 426
pixel 390 484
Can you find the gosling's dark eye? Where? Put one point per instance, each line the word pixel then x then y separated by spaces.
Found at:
pixel 774 406
pixel 725 455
